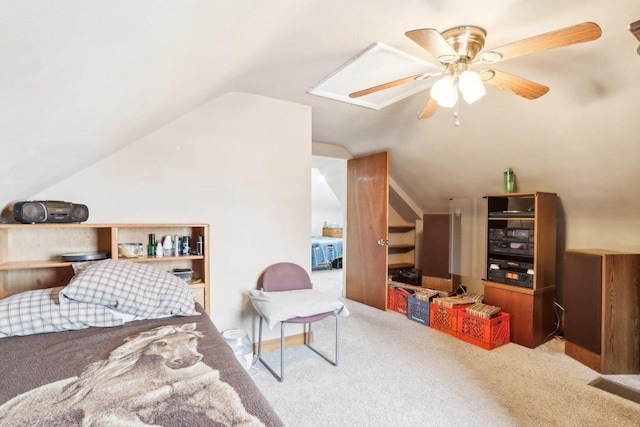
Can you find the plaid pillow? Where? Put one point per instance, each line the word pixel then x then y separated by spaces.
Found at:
pixel 134 288
pixel 45 310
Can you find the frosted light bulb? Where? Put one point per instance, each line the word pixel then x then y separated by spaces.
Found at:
pixel 471 86
pixel 444 92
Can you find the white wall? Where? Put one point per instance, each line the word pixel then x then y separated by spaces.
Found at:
pixel 329 195
pixel 240 163
pixel 325 206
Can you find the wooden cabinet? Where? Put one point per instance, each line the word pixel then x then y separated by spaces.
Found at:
pixel 531 316
pixel 332 232
pixel 401 247
pixel 602 310
pixel 521 262
pixel 31 253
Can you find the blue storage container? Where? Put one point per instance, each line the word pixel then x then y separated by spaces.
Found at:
pixel 418 310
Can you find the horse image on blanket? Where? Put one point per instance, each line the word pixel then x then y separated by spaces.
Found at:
pixel 156 377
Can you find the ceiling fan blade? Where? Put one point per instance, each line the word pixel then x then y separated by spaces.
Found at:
pixel 392 84
pixel 429 109
pixel 433 42
pixel 585 32
pixel 634 27
pixel 514 84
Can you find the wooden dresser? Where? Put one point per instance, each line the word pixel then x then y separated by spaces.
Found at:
pixel 332 232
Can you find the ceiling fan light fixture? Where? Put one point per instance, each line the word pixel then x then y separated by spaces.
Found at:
pixel 444 92
pixel 457 49
pixel 448 59
pixel 471 86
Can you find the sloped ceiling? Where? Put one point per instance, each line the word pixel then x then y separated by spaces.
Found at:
pixel 81 79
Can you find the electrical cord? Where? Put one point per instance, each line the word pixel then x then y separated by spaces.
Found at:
pixel 555 331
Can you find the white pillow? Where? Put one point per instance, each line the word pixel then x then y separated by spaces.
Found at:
pixel 276 307
pixel 45 310
pixel 135 288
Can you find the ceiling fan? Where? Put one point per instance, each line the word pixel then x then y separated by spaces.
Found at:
pixel 458 49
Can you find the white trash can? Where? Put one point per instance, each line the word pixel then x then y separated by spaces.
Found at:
pixel 239 342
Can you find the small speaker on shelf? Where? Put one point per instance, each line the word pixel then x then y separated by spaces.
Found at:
pixel 79 213
pixel 30 212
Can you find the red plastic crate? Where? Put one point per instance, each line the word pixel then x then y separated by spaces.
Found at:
pixel 485 333
pixel 397 299
pixel 445 319
pixel 391 297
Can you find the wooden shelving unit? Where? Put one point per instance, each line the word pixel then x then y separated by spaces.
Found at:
pixel 400 247
pixel 30 253
pixel 401 228
pixel 531 308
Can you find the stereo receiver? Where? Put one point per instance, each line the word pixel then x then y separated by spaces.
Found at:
pixel 513 241
pixel 513 248
pixel 511 234
pixel 511 272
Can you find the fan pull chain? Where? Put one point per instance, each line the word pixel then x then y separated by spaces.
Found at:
pixel 455 110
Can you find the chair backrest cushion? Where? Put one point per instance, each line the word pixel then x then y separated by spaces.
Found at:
pixel 285 276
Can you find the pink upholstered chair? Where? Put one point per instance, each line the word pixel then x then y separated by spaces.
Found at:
pixel 286 276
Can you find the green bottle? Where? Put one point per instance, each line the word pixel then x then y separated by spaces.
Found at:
pixel 509 179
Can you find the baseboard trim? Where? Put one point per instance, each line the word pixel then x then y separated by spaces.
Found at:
pixel 289 341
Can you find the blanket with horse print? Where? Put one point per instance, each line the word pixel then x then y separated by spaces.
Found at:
pixel 159 376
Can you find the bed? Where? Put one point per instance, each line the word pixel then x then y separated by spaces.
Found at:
pixel 326 252
pixel 171 370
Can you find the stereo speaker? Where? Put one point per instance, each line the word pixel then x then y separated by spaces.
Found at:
pixel 49 211
pixel 79 213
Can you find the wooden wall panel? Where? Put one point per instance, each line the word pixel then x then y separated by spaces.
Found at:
pixel 435 245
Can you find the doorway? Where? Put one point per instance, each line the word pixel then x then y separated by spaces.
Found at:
pixel 328 211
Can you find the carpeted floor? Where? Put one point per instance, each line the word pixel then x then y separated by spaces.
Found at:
pixel 328 281
pixel 396 372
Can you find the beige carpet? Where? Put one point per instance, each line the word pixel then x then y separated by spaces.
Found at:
pixel 329 281
pixel 396 372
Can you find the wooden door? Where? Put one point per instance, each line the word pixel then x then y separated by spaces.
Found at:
pixel 367 229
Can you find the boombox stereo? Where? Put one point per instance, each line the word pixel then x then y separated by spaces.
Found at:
pixel 49 211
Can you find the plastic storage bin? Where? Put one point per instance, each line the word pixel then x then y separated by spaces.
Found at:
pixel 418 310
pixel 485 333
pixel 445 319
pixel 397 299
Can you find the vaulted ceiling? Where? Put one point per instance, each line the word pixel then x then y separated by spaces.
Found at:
pixel 81 79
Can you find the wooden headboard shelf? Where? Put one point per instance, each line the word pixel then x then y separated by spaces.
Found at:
pixel 30 253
